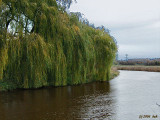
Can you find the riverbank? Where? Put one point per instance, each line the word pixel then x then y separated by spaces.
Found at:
pixel 138 68
pixel 114 73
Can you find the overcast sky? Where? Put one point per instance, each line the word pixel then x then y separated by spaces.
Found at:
pixel 134 23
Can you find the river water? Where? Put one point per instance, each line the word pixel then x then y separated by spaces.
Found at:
pixel 131 96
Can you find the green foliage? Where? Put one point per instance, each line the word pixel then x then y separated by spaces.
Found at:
pixel 44 46
pixel 4 86
pixel 65 3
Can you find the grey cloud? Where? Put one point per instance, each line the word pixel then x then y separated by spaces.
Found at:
pixel 134 23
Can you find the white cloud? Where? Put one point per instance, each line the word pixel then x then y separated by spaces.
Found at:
pixel 155 25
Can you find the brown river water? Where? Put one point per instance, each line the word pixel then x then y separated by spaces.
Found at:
pixel 133 95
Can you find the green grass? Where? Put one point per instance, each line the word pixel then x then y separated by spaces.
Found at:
pixel 114 73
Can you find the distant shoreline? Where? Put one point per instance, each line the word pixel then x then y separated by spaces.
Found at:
pixel 138 68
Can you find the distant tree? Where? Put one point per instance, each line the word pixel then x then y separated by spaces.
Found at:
pixel 103 28
pixel 80 17
pixel 92 25
pixel 65 3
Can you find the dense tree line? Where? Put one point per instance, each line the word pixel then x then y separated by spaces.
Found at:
pixel 42 45
pixel 146 62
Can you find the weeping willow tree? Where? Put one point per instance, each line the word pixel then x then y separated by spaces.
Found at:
pixel 41 45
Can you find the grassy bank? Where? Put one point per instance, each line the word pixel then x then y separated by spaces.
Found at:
pixel 138 68
pixel 114 73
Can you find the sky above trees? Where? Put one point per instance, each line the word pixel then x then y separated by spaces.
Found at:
pixel 134 23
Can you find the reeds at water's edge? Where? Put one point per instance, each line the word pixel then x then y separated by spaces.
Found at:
pixel 139 68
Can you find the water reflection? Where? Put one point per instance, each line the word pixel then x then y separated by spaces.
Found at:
pixel 77 102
